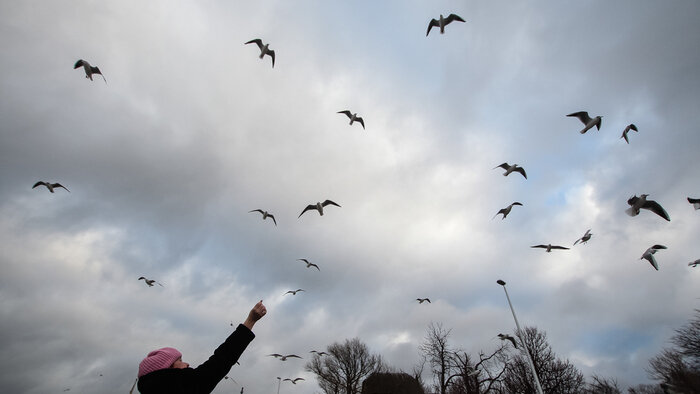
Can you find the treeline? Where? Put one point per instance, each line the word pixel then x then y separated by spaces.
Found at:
pixel 505 370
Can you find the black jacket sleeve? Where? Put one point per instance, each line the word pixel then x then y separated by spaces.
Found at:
pixel 204 378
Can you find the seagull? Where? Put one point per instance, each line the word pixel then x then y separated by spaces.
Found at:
pixel 506 337
pixel 627 129
pixel 353 117
pixel 694 263
pixel 442 22
pixel 586 120
pixel 510 168
pixel 649 255
pixel 89 70
pixel 309 265
pixel 318 206
pixel 283 358
pixel 319 353
pixel 505 211
pixel 549 247
pixel 226 377
pixel 264 49
pixel 293 292
pixel 49 185
pixel 265 215
pixel 695 202
pixel 642 202
pixel 150 282
pixel 422 300
pixel 293 381
pixel 585 237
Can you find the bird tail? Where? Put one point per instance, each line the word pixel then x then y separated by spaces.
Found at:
pixel 631 212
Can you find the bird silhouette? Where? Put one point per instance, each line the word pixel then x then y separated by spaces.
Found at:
pixel 319 353
pixel 442 22
pixel 283 358
pixel 50 186
pixel 641 202
pixel 89 70
pixel 649 255
pixel 294 292
pixel 150 282
pixel 264 49
pixel 585 237
pixel 506 337
pixel 510 168
pixel 505 211
pixel 353 118
pixel 265 215
pixel 422 300
pixel 318 206
pixel 587 121
pixel 549 247
pixel 294 381
pixel 694 263
pixel 695 202
pixel 626 130
pixel 309 265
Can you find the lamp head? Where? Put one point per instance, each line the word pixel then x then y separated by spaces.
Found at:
pixel 500 282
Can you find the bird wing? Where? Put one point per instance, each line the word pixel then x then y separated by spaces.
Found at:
pixel 272 55
pixel 632 127
pixel 433 22
pixel 59 185
pixel 257 41
pixel 657 247
pixel 694 263
pixel 600 121
pixel 257 210
pixel 142 278
pixel 329 202
pixel 346 112
pixel 306 209
pixel 652 260
pixel 452 18
pixel 314 265
pixel 521 170
pixel 79 63
pixel 582 116
pixel 517 203
pixel 292 355
pixel 505 166
pixel 362 122
pixel 41 183
pixel 297 379
pixel 656 208
pixel 539 246
pixel 577 241
pixel 275 355
pixel 502 211
pixel 624 135
pixel 559 247
pixel 273 218
pixel 304 260
pixel 693 200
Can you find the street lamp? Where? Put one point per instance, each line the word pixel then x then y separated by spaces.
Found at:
pixel 529 358
pixel 279 380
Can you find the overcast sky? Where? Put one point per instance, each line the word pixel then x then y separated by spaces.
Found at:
pixel 192 131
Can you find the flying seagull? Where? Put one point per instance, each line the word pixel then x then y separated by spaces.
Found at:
pixel 695 202
pixel 585 237
pixel 694 263
pixel 264 49
pixel 353 117
pixel 293 292
pixel 422 300
pixel 587 121
pixel 89 70
pixel 649 255
pixel 510 168
pixel 549 247
pixel 50 186
pixel 627 129
pixel 150 282
pixel 265 215
pixel 319 353
pixel 283 358
pixel 637 203
pixel 309 265
pixel 318 206
pixel 293 381
pixel 442 22
pixel 505 211
pixel 506 337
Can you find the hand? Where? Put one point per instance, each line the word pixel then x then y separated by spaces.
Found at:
pixel 255 314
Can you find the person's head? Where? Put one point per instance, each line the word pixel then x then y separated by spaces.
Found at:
pixel 164 358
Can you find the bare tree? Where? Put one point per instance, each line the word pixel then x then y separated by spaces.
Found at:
pixel 645 389
pixel 480 377
pixel 345 367
pixel 439 355
pixel 678 366
pixel 555 375
pixel 601 385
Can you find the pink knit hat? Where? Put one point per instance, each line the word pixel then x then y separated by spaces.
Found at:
pixel 159 359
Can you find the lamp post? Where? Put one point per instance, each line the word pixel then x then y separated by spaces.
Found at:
pixel 279 380
pixel 529 358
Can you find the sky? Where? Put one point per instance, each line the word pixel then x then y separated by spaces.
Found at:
pixel 192 130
